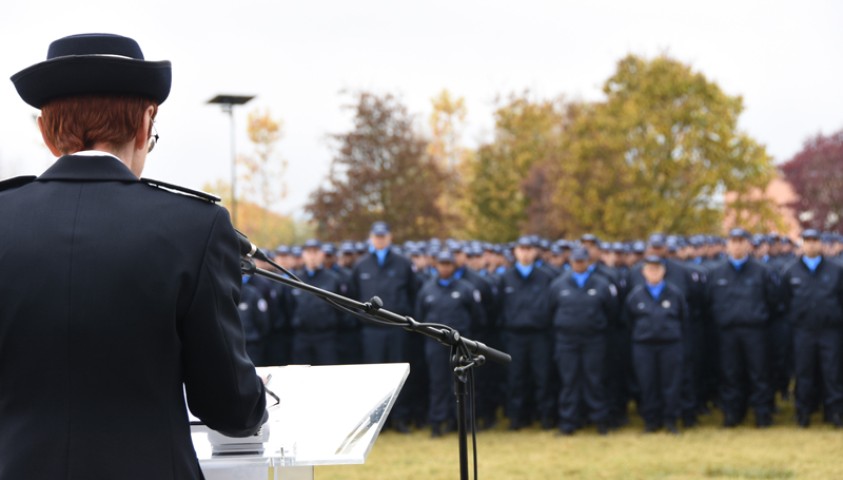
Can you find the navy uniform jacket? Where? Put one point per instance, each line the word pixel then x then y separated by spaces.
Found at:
pixel 741 298
pixel 456 305
pixel 254 313
pixel 690 281
pixel 312 313
pixel 814 299
pixel 394 282
pixel 485 288
pixel 524 300
pixel 117 298
pixel 587 310
pixel 659 320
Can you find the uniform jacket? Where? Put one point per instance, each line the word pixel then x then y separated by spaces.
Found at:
pixel 394 282
pixel 524 300
pixel 254 313
pixel 814 299
pixel 456 305
pixel 740 298
pixel 658 320
pixel 117 299
pixel 586 310
pixel 312 313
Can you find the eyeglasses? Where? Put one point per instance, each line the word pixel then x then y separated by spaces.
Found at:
pixel 153 139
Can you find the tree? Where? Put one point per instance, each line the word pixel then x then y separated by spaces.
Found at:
pixel 381 171
pixel 264 178
pixel 499 173
pixel 446 123
pixel 265 228
pixel 658 155
pixel 816 174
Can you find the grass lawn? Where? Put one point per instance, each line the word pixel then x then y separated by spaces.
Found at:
pixel 707 451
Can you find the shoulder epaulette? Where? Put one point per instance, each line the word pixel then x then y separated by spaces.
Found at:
pixel 208 197
pixel 16 182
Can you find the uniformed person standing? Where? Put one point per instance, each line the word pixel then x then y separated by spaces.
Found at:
pixel 740 299
pixel 385 274
pixel 658 316
pixel 446 300
pixel 526 333
pixel 118 298
pixel 814 288
pixel 582 305
pixel 254 315
pixel 315 322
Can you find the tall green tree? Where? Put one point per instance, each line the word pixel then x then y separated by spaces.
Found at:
pixel 658 155
pixel 381 171
pixel 527 131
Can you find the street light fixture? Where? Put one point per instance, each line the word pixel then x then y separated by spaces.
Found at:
pixel 227 102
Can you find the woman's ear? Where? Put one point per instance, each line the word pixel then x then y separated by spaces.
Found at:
pixel 144 129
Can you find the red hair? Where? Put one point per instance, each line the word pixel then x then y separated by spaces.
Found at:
pixel 73 124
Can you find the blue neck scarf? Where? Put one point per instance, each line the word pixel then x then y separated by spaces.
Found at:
pixel 656 290
pixel 812 262
pixel 581 278
pixel 458 273
pixel 445 282
pixel 524 270
pixel 380 254
pixel 738 263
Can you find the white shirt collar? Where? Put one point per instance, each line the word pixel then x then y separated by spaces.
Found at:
pixel 96 153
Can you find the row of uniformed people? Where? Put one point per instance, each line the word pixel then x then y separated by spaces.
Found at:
pixel 514 296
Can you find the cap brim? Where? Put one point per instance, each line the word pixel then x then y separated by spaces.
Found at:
pixel 85 75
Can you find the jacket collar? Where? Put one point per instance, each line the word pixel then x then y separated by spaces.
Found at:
pixel 83 167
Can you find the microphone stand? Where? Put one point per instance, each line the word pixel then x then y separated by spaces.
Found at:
pixel 465 353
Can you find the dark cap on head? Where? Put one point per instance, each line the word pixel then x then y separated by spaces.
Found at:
pixel 93 63
pixel 739 233
pixel 379 229
pixel 654 259
pixel 445 256
pixel 657 240
pixel 579 254
pixel 588 237
pixel 525 241
pixel 810 234
pixel 312 243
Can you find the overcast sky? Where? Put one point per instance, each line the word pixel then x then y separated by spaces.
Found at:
pixel 298 57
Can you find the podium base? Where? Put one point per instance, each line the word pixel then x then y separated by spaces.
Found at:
pixel 258 472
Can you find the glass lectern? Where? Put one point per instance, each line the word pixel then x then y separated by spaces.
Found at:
pixel 326 416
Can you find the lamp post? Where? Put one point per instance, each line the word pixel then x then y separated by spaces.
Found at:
pixel 227 102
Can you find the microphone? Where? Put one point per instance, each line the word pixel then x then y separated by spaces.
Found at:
pixel 247 248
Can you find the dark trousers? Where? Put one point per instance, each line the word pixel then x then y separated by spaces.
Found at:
pixel 620 381
pixel 315 348
pixel 389 345
pixel 531 358
pixel 817 355
pixel 490 380
pixel 581 365
pixel 744 357
pixel 348 347
pixel 278 348
pixel 442 404
pixel 658 367
pixel 781 358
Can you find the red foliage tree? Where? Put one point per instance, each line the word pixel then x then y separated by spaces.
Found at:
pixel 816 174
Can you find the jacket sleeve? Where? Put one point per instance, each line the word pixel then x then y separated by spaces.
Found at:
pixel 222 387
